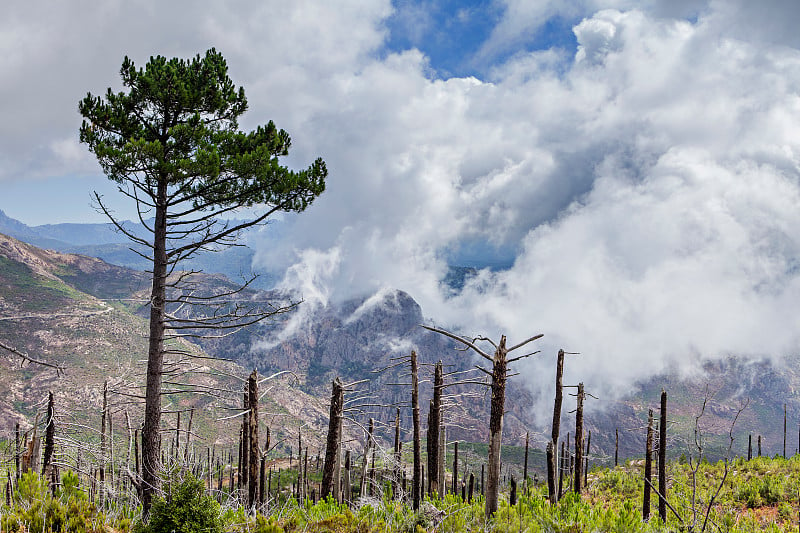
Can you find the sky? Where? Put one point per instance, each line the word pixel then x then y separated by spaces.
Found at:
pixel 626 170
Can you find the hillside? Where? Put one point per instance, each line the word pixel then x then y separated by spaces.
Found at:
pixel 90 316
pixel 81 313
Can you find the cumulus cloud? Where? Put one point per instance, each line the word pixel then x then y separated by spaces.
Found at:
pixel 647 186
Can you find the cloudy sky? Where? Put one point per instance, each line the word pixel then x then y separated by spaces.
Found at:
pixel 628 170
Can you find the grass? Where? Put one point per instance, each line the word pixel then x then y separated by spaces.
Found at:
pixel 758 495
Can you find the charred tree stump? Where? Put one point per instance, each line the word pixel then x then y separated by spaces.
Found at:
pixel 578 483
pixel 648 465
pixel 616 447
pixel 551 475
pixel 759 445
pixel 525 466
pixel 471 488
pixel 662 460
pixel 333 442
pixel 512 497
pixel 749 446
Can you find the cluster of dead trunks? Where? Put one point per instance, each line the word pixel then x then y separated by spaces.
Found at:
pixel 251 482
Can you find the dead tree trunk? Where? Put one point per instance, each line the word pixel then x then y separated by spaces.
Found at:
pixel 188 436
pixel 525 467
pixel 616 447
pixel 434 421
pixel 578 484
pixel 416 487
pixel 397 457
pixel 244 467
pixel 551 475
pixel 662 460
pixel 49 435
pixel 648 466
pixel 103 445
pixel 332 443
pixel 553 466
pixel 367 447
pixel 455 467
pixel 254 461
pixel 442 461
pixel 498 374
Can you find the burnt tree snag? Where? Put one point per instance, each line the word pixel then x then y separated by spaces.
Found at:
pixel 329 471
pixel 662 460
pixel 578 483
pixel 49 436
pixel 254 461
pixel 648 467
pixel 397 456
pixel 559 399
pixel 364 472
pixel 416 481
pixel 499 373
pixel 455 467
pixel 525 467
pixel 434 422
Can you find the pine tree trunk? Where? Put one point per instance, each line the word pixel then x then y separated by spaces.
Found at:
pixel 151 434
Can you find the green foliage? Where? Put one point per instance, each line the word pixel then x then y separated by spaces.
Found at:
pixel 35 509
pixel 178 124
pixel 186 508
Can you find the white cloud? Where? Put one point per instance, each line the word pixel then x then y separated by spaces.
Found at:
pixel 649 189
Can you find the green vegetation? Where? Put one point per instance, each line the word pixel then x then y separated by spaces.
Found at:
pixel 758 495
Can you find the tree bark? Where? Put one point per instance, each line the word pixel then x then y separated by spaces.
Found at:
pixel 648 467
pixel 49 435
pixel 556 428
pixel 434 422
pixel 662 459
pixel 254 462
pixel 578 483
pixel 499 372
pixel 416 487
pixel 332 443
pixel 151 436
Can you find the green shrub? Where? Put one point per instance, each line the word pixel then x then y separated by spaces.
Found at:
pixel 185 509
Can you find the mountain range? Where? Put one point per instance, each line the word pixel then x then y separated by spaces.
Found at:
pixel 90 315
